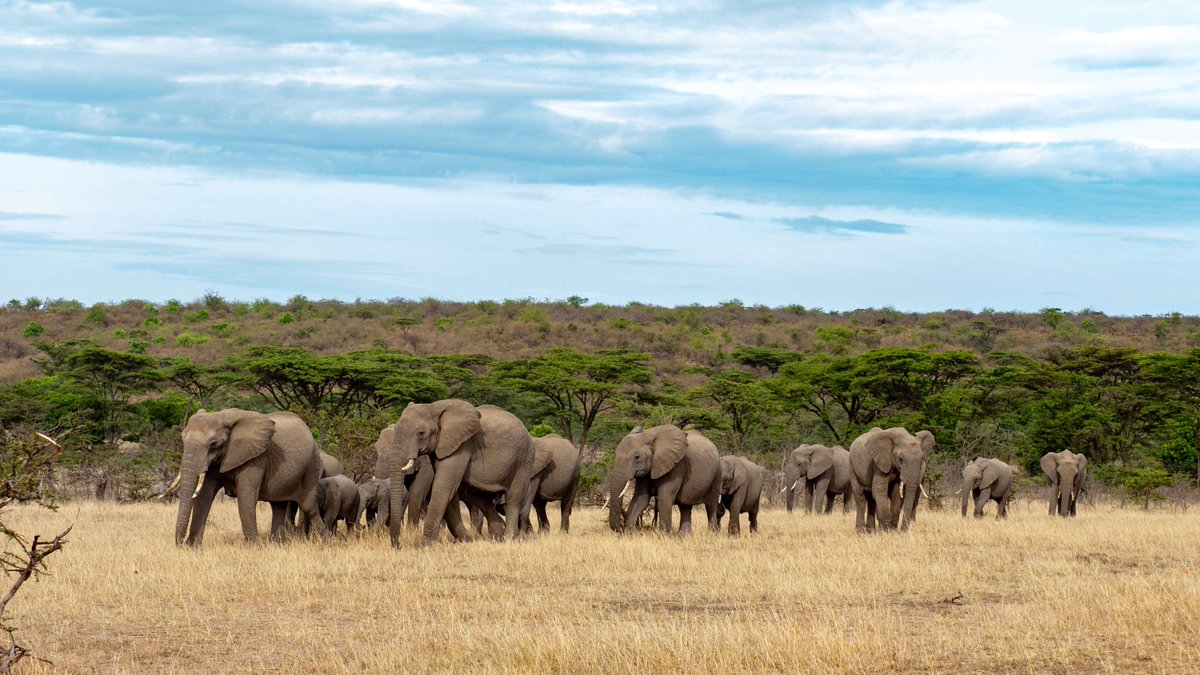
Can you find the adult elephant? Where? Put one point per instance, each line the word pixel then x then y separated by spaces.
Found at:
pixel 416 481
pixel 987 479
pixel 556 466
pixel 374 502
pixel 485 449
pixel 741 492
pixel 882 461
pixel 677 467
pixel 822 473
pixel 254 457
pixel 1067 471
pixel 330 465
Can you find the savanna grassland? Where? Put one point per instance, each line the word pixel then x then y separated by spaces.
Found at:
pixel 1114 590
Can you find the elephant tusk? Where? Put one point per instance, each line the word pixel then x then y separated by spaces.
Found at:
pixel 199 484
pixel 923 492
pixel 795 484
pixel 408 466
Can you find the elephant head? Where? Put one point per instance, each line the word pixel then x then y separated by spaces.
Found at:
pixel 643 453
pixel 897 452
pixel 437 429
pixel 1066 471
pixel 220 441
pixel 733 475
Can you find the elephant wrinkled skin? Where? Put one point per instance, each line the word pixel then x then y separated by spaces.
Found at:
pixel 337 500
pixel 374 502
pixel 257 457
pixel 987 479
pixel 822 473
pixel 882 460
pixel 741 490
pixel 485 449
pixel 1067 471
pixel 416 482
pixel 676 467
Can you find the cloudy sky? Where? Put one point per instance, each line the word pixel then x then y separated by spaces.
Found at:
pixel 924 155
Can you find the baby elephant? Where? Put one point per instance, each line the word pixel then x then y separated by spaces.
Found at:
pixel 741 487
pixel 337 499
pixel 987 479
pixel 375 500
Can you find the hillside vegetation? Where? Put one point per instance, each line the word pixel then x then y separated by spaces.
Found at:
pixel 116 381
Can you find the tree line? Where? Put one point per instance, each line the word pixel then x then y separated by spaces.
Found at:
pixel 1136 414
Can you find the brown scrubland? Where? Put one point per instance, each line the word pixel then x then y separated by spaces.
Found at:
pixel 1114 590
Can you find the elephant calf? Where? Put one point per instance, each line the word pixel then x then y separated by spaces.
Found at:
pixel 741 489
pixel 987 479
pixel 556 466
pixel 374 501
pixel 337 499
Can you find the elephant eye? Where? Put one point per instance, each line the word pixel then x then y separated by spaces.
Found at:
pixel 212 443
pixel 421 433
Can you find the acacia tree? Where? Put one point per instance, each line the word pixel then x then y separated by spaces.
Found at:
pixel 1176 382
pixel 744 401
pixel 578 386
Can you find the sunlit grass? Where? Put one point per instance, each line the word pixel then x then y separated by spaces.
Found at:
pixel 1110 590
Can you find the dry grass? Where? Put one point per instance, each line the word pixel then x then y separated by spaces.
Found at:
pixel 1113 590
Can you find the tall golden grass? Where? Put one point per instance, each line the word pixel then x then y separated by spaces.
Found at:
pixel 1112 590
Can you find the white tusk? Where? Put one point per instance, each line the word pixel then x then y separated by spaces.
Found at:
pixel 199 484
pixel 626 489
pixel 795 484
pixel 408 466
pixel 924 492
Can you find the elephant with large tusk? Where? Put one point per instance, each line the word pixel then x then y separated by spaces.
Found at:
pixel 254 457
pixel 676 467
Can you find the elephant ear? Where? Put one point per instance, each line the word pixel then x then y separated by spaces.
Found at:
pixel 668 444
pixel 541 457
pixel 822 461
pixel 739 474
pixel 991 473
pixel 927 441
pixel 1050 466
pixel 457 421
pixel 879 446
pixel 1082 466
pixel 249 435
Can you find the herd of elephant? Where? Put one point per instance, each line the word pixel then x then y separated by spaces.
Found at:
pixel 439 456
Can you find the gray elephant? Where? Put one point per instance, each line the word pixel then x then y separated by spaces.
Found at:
pixel 486 449
pixel 1067 471
pixel 677 467
pixel 416 481
pixel 987 479
pixel 330 465
pixel 337 500
pixel 375 502
pixel 822 473
pixel 254 457
pixel 741 492
pixel 556 466
pixel 888 466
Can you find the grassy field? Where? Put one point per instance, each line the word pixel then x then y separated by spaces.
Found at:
pixel 1113 590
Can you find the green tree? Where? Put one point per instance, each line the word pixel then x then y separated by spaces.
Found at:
pixel 579 386
pixel 746 404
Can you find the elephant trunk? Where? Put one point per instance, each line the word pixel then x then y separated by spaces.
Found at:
pixel 966 495
pixel 616 489
pixel 793 479
pixel 911 478
pixel 189 477
pixel 1066 481
pixel 396 508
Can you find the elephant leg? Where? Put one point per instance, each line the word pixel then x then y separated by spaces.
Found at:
pixel 310 513
pixel 981 500
pixel 444 490
pixel 539 505
pixel 637 505
pixel 883 501
pixel 685 518
pixel 735 512
pixel 249 482
pixel 821 494
pixel 1002 504
pixel 517 498
pixel 566 505
pixel 454 522
pixel 896 500
pixel 753 516
pixel 830 497
pixel 860 507
pixel 666 502
pixel 1054 500
pixel 278 519
pixel 201 504
pixel 809 488
pixel 418 495
pixel 1074 498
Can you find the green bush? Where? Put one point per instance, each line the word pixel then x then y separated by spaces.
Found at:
pixel 34 329
pixel 97 316
pixel 196 316
pixel 188 339
pixel 223 329
pixel 539 430
pixel 152 321
pixel 286 317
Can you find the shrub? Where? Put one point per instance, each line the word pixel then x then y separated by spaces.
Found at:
pixel 539 430
pixel 196 316
pixel 188 339
pixel 286 317
pixel 152 321
pixel 34 329
pixel 223 329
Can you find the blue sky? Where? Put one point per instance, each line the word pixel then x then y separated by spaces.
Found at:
pixel 924 155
